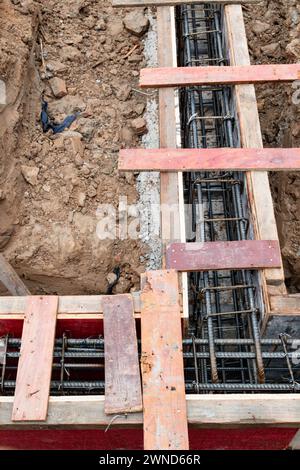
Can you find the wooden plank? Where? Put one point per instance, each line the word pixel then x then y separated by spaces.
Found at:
pixel 123 390
pixel 143 3
pixel 171 184
pixel 165 419
pixel 35 363
pixel 216 75
pixel 259 193
pixel 242 410
pixel 214 256
pixel 216 159
pixel 285 305
pixel 220 411
pixel 10 279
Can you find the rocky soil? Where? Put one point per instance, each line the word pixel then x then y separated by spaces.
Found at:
pixel 80 56
pixel 273 30
pixel 84 56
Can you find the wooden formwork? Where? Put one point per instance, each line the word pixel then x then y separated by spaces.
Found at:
pixel 85 314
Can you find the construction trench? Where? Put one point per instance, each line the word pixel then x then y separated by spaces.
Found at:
pixel 232 344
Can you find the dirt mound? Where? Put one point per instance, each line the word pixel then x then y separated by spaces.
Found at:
pixel 273 30
pixel 79 57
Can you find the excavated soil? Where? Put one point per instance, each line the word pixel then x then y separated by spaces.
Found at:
pixel 273 30
pixel 51 185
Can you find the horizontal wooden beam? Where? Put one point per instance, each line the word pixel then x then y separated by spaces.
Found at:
pixel 215 75
pixel 77 307
pixel 214 256
pixel 67 305
pixel 236 159
pixel 285 304
pixel 156 3
pixel 239 410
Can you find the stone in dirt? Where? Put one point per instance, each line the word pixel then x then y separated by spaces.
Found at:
pixel 67 105
pixel 122 91
pixel 87 127
pixel 272 49
pixel 5 236
pixel 100 25
pixel 139 125
pixel 73 145
pixel 135 58
pixel 55 66
pixel 116 27
pixel 58 87
pixel 72 9
pixel 139 108
pixel 123 286
pixel 260 27
pixel 293 48
pixel 111 278
pixel 30 174
pixel 92 192
pixel 74 39
pixel 81 199
pixel 69 53
pixel 126 135
pixel 136 22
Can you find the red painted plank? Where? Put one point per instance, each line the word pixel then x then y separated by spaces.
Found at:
pixel 256 438
pixel 239 159
pixel 123 390
pixel 215 75
pixel 165 416
pixel 35 363
pixel 214 256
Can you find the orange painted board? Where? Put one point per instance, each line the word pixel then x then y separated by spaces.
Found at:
pixel 215 75
pixel 214 256
pixel 238 159
pixel 36 358
pixel 123 389
pixel 165 417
